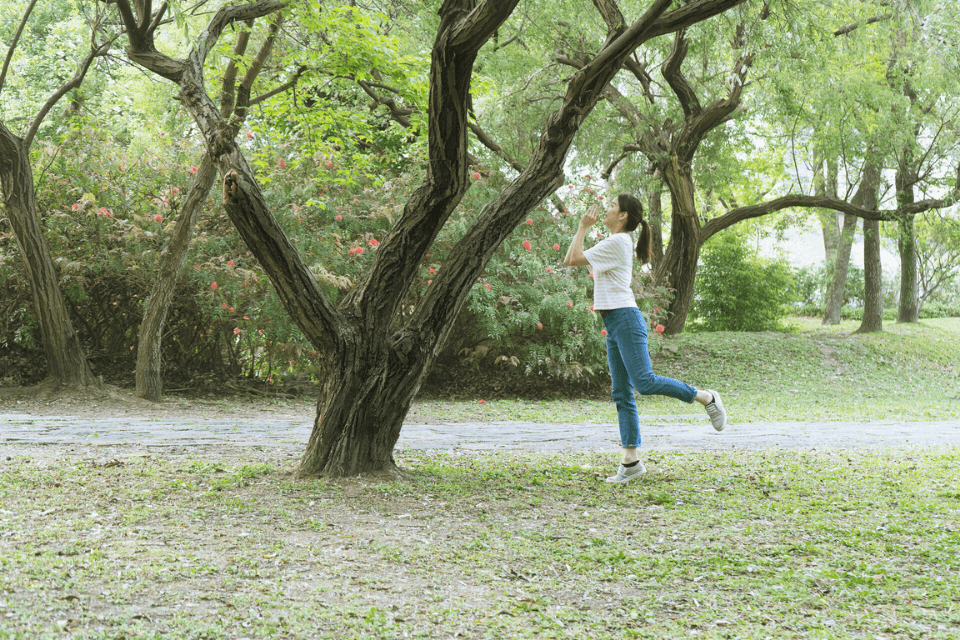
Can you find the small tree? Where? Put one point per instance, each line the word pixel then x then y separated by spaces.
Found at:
pixel 737 290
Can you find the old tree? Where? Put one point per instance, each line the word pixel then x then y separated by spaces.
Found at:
pixel 373 354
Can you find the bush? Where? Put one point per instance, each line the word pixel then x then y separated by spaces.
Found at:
pixel 737 290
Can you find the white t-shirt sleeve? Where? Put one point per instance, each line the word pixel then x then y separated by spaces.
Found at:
pixel 605 255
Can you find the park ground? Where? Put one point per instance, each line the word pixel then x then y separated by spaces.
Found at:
pixel 215 542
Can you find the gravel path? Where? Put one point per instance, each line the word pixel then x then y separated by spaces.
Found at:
pixel 659 433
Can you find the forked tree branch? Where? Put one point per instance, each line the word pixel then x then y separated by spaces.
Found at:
pixel 16 40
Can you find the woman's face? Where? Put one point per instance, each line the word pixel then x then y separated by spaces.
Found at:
pixel 614 218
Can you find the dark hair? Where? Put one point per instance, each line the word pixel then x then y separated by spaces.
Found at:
pixel 634 210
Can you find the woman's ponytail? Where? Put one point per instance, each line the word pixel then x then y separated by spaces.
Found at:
pixel 644 243
pixel 634 210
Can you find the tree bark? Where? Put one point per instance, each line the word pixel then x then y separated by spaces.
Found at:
pixel 67 364
pixel 655 218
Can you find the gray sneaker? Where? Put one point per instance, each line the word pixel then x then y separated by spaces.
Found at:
pixel 626 474
pixel 718 415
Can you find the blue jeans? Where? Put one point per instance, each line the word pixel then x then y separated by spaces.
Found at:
pixel 630 369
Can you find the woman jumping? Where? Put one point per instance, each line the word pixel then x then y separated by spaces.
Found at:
pixel 611 262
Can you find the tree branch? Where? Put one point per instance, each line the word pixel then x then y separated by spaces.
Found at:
pixel 71 84
pixel 672 73
pixel 246 85
pixel 229 93
pixel 16 39
pixel 842 31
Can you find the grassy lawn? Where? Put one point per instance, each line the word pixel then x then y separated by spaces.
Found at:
pixel 814 373
pixel 213 544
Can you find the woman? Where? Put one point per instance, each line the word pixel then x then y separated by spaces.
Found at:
pixel 611 262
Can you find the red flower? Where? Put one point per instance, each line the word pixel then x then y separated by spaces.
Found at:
pixel 476 176
pixel 356 251
pixel 374 243
pixel 529 220
pixel 660 328
pixel 329 165
pixel 157 218
pixel 249 135
pixel 162 134
pixel 429 282
pixel 213 285
pixel 193 168
pixel 591 275
pixel 556 247
pixel 591 308
pixel 231 309
pixel 603 332
pixel 283 163
pixel 236 330
pixel 482 401
pixel 338 217
pixel 76 205
pixel 488 287
pixel 231 264
pixel 570 305
pixel 526 245
pixel 587 176
pixel 656 309
pixel 549 270
pixel 431 270
pixel 539 325
pixel 223 306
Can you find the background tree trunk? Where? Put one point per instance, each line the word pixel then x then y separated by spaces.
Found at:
pixel 872 279
pixel 679 264
pixel 908 308
pixel 149 382
pixel 67 364
pixel 838 281
pixel 872 269
pixel 655 218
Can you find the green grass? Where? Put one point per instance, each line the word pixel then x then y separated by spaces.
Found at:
pixel 816 373
pixel 746 544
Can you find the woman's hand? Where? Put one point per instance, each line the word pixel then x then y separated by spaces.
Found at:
pixel 590 217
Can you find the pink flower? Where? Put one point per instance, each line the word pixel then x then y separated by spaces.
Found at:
pixel 476 176
pixel 338 217
pixel 587 176
pixel 657 309
pixel 526 245
pixel 269 379
pixel 429 282
pixel 660 328
pixel 529 220
pixel 76 205
pixel 236 331
pixel 104 212
pixel 193 169
pixel 246 317
pixel 556 247
pixel 231 309
pixel 591 308
pixel 431 270
pixel 539 325
pixel 488 287
pixel 591 276
pixel 374 243
pixel 223 306
pixel 162 134
pixel 283 163
pixel 249 135
pixel 601 197
pixel 549 270
pixel 329 165
pixel 231 264
pixel 196 266
pixel 213 285
pixel 598 234
pixel 482 401
pixel 569 304
pixel 356 251
pixel 157 218
pixel 603 332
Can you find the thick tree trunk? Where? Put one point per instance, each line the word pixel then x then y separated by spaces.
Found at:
pixel 149 381
pixel 655 218
pixel 872 279
pixel 67 364
pixel 829 220
pixel 838 282
pixel 679 264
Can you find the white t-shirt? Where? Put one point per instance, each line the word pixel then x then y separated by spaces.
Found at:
pixel 611 263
